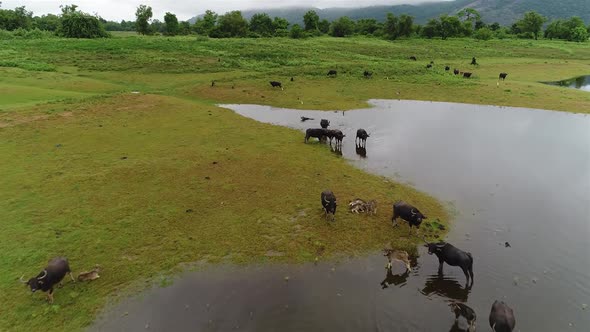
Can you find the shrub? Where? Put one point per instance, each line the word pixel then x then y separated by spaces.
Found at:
pixel 484 34
pixel 77 24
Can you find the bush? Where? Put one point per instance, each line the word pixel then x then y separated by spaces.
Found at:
pixel 296 32
pixel 579 34
pixel 77 24
pixel 25 34
pixel 484 34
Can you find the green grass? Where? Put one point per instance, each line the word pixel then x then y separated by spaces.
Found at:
pixel 253 188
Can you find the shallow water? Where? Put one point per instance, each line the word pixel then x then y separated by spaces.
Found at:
pixel 580 82
pixel 513 175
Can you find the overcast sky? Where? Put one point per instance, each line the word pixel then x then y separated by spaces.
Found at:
pixel 184 9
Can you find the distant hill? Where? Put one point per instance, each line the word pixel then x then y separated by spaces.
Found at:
pixel 503 11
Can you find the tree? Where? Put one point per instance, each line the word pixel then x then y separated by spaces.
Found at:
pixel 143 15
pixel 77 24
pixel 280 27
pixel 19 18
pixel 484 34
pixel 296 32
pixel 262 24
pixel 366 26
pixel 391 27
pixel 324 26
pixel 184 28
pixel 580 34
pixel 342 27
pixel 204 26
pixel 495 26
pixel 450 26
pixel 311 21
pixel 172 27
pixel 47 22
pixel 470 15
pixel 431 29
pixel 532 23
pixel 157 26
pixel 405 25
pixel 231 24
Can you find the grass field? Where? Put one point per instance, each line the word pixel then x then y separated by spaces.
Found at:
pixel 145 183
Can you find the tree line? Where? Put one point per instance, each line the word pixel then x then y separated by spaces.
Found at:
pixel 466 23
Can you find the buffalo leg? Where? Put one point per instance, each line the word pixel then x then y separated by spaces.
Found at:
pixel 466 274
pixel 50 295
pixel 440 266
pixel 72 277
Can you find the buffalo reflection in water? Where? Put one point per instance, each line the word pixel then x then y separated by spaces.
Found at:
pixel 446 287
pixel 361 151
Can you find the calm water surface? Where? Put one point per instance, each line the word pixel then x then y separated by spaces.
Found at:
pixel 513 175
pixel 581 82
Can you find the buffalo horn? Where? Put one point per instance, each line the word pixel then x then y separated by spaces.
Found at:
pixel 44 275
pixel 413 212
pixel 21 279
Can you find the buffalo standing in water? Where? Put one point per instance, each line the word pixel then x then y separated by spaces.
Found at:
pixel 502 317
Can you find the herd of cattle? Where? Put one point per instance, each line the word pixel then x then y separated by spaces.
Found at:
pixel 501 316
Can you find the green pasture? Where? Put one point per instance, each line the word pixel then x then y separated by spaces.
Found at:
pixel 114 153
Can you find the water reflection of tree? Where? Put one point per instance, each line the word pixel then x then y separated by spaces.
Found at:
pixel 446 287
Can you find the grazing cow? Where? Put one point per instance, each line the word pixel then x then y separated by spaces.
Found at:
pixel 447 253
pixel 53 273
pixel 318 133
pixel 332 72
pixel 324 123
pixel 502 76
pixel 429 65
pixel 413 58
pixel 275 84
pixel 466 74
pixel 447 68
pixel 361 137
pixel 460 309
pixel 329 204
pixel 502 317
pixel 408 213
pixel 336 134
pixel 473 61
pixel 456 71
pixel 397 255
pixel 368 74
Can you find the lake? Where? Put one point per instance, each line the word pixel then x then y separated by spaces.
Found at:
pixel 511 175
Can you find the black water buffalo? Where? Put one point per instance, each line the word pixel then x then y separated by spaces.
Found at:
pixel 447 68
pixel 413 58
pixel 276 84
pixel 456 71
pixel 332 72
pixel 361 136
pixel 467 74
pixel 324 123
pixel 53 273
pixel 461 309
pixel 473 61
pixel 502 317
pixel 329 204
pixel 502 76
pixel 429 65
pixel 368 74
pixel 408 213
pixel 335 134
pixel 447 253
pixel 318 133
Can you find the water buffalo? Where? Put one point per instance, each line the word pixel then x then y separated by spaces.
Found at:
pixel 361 136
pixel 368 74
pixel 429 65
pixel 332 72
pixel 461 309
pixel 466 74
pixel 456 71
pixel 502 76
pixel 408 213
pixel 447 68
pixel 324 123
pixel 413 58
pixel 447 253
pixel 318 133
pixel 473 61
pixel 53 273
pixel 329 204
pixel 335 134
pixel 502 317
pixel 275 84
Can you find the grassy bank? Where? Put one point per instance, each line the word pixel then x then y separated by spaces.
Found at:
pixel 141 183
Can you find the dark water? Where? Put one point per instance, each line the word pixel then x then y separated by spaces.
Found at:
pixel 581 82
pixel 513 175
